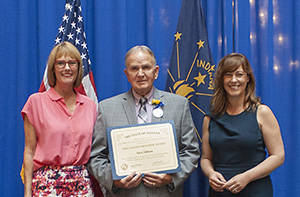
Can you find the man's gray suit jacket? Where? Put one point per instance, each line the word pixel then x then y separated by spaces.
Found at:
pixel 119 111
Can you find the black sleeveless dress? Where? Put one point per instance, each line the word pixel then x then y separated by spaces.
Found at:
pixel 237 145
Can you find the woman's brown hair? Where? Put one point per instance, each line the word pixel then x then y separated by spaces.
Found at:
pixel 230 63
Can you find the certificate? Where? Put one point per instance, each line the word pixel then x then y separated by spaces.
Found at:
pixel 150 147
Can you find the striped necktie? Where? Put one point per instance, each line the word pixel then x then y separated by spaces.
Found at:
pixel 143 111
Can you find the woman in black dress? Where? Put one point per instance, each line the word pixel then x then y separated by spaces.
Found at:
pixel 236 133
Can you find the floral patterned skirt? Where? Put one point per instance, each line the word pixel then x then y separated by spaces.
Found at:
pixel 62 181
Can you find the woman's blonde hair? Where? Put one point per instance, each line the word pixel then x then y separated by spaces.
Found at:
pixel 230 63
pixel 64 49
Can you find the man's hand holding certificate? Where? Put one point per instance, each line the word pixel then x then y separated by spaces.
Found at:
pixel 143 148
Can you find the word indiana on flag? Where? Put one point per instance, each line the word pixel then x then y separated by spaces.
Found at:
pixel 190 74
pixel 72 30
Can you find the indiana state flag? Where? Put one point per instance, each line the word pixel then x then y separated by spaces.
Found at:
pixel 190 74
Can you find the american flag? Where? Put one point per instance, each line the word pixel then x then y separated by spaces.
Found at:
pixel 72 30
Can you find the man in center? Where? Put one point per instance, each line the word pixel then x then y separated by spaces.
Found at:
pixel 124 109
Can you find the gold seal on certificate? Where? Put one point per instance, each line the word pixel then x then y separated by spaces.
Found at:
pixel 143 148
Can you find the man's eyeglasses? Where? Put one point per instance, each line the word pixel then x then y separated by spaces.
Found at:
pixel 62 63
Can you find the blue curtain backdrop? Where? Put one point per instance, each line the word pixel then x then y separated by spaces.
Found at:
pixel 265 31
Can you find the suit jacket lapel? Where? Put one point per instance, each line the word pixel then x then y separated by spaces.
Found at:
pixel 157 95
pixel 129 107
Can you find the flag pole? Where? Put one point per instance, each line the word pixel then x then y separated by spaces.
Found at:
pixel 233 25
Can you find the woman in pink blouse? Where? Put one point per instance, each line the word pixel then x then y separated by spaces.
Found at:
pixel 58 128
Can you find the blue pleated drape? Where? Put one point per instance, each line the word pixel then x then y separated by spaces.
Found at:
pixel 265 31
